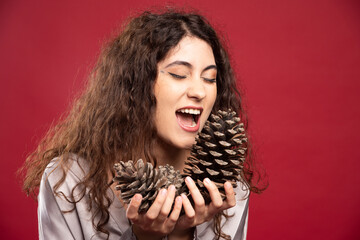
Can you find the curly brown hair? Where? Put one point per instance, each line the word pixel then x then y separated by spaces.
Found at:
pixel 106 123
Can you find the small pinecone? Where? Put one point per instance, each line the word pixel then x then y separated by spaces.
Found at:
pixel 143 178
pixel 219 152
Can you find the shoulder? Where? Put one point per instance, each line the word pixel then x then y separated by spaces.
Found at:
pixel 72 170
pixel 61 183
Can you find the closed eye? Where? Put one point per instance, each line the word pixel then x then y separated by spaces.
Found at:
pixel 212 80
pixel 177 76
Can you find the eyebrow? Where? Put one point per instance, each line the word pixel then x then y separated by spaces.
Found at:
pixel 210 67
pixel 179 63
pixel 186 64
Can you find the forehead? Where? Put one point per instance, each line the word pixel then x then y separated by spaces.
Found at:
pixel 190 49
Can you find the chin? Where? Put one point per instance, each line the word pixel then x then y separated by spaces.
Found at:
pixel 189 144
pixel 186 144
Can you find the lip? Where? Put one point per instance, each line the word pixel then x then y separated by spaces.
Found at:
pixel 187 128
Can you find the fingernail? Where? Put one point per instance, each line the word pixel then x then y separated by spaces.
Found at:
pixel 137 197
pixel 163 192
pixel 178 199
pixel 188 179
pixel 207 180
pixel 227 185
pixel 171 188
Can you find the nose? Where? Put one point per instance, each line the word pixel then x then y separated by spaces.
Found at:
pixel 196 89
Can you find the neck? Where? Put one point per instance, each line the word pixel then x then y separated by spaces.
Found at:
pixel 168 154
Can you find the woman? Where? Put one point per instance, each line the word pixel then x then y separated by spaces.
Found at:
pixel 160 66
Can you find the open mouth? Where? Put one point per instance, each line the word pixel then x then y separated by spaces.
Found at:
pixel 188 118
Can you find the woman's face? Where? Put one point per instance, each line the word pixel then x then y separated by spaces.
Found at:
pixel 185 91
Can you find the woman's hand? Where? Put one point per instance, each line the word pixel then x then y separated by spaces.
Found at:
pixel 156 222
pixel 200 212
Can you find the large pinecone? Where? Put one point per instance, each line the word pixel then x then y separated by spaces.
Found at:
pixel 143 178
pixel 219 152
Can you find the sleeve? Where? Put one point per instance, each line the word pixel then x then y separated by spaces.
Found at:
pixel 52 224
pixel 235 226
pixel 242 229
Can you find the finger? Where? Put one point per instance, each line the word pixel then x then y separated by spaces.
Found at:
pixel 133 208
pixel 216 200
pixel 230 196
pixel 174 216
pixel 215 195
pixel 166 207
pixel 189 210
pixel 186 220
pixel 155 208
pixel 196 196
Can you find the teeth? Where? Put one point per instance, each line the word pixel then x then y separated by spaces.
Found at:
pixel 190 111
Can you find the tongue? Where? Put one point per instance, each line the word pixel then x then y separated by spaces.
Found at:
pixel 185 119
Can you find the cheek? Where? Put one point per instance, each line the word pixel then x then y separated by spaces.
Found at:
pixel 165 98
pixel 212 96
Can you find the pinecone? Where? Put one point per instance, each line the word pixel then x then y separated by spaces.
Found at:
pixel 219 152
pixel 143 178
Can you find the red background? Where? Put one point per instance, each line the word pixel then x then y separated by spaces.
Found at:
pixel 299 64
